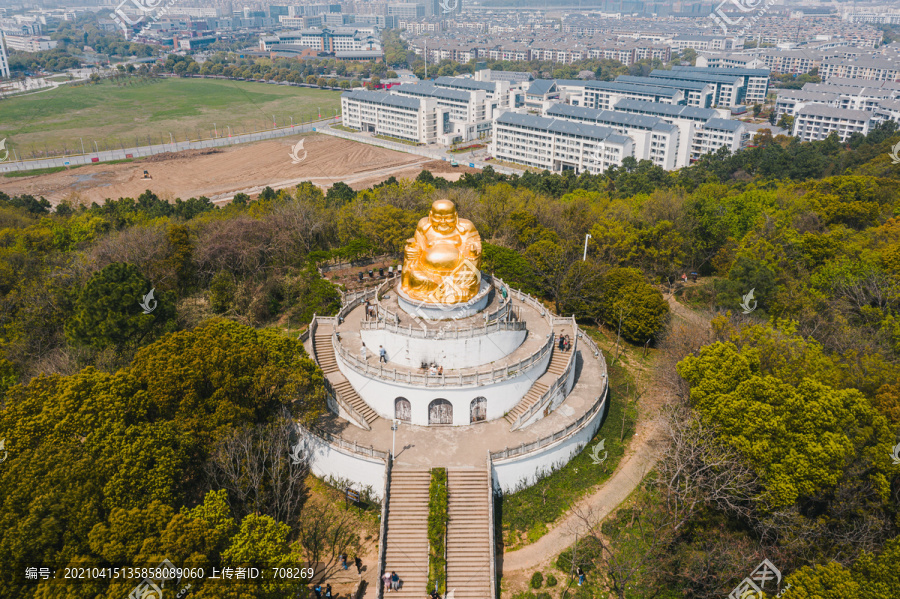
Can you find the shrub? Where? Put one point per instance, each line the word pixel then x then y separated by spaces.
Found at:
pixel 544 595
pixel 551 580
pixel 537 579
pixel 437 530
pixel 641 308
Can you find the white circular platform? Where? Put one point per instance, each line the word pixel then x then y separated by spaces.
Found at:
pixel 438 312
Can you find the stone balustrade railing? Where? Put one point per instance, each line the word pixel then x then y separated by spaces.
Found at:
pixel 573 428
pixel 442 333
pixel 558 384
pixel 343 403
pixel 340 442
pixel 451 379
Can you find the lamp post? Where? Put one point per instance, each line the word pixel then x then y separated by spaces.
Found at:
pixel 394 426
pixel 586 237
pixel 82 145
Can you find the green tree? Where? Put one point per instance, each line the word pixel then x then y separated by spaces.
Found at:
pixel 108 310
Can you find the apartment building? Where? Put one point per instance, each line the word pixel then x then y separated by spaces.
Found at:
pixel 322 40
pixel 29 43
pixel 876 69
pixel 497 91
pixel 816 121
pixel 653 139
pixel 414 119
pixel 715 134
pixel 696 93
pixel 790 101
pixel 470 112
pixel 603 95
pixel 755 81
pixel 558 145
pixel 728 89
pixel 688 119
pixel 729 60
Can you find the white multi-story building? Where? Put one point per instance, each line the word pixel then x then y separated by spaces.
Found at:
pixel 654 139
pixel 322 40
pixel 875 69
pixel 715 134
pixel 603 95
pixel 4 61
pixel 558 145
pixel 790 101
pixel 470 111
pixel 815 122
pixel 756 81
pixel 29 43
pixel 413 119
pixel 688 119
pixel 728 90
pixel 696 93
pixel 495 90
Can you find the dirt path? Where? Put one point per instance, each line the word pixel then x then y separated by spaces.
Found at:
pixel 638 461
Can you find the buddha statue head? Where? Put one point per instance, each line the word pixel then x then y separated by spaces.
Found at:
pixel 443 216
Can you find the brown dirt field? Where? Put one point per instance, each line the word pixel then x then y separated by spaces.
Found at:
pixel 220 174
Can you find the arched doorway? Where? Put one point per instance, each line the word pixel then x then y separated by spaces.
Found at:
pixel 478 410
pixel 440 411
pixel 402 409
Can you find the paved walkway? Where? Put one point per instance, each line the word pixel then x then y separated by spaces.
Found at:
pixel 638 462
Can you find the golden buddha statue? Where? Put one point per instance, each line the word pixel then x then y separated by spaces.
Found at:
pixel 441 263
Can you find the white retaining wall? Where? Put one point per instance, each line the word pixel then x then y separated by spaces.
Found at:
pixel 330 461
pixel 511 474
pixel 501 396
pixel 449 353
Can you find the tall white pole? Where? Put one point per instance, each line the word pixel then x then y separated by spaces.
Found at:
pixel 586 237
pixel 426 59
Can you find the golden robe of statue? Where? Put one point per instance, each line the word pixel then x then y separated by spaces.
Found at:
pixel 441 263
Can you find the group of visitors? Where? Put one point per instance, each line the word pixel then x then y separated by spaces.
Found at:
pixel 364 353
pixel 433 369
pixel 356 562
pixel 564 343
pixel 391 582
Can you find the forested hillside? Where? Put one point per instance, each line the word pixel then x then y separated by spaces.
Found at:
pixel 115 421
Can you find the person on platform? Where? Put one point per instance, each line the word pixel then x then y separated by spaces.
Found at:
pixel 382 354
pixel 362 352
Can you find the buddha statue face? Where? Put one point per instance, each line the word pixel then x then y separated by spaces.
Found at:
pixel 443 216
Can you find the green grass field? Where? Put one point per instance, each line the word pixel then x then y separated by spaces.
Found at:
pixel 114 115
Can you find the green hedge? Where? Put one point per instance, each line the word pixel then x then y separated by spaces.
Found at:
pixel 437 530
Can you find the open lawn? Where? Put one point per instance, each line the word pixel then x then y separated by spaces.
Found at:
pixel 149 112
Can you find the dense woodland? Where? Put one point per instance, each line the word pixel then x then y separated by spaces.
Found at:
pixel 121 427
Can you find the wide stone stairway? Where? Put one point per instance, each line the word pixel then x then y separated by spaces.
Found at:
pixel 406 546
pixel 468 534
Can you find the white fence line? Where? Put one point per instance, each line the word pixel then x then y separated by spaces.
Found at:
pixel 12 165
